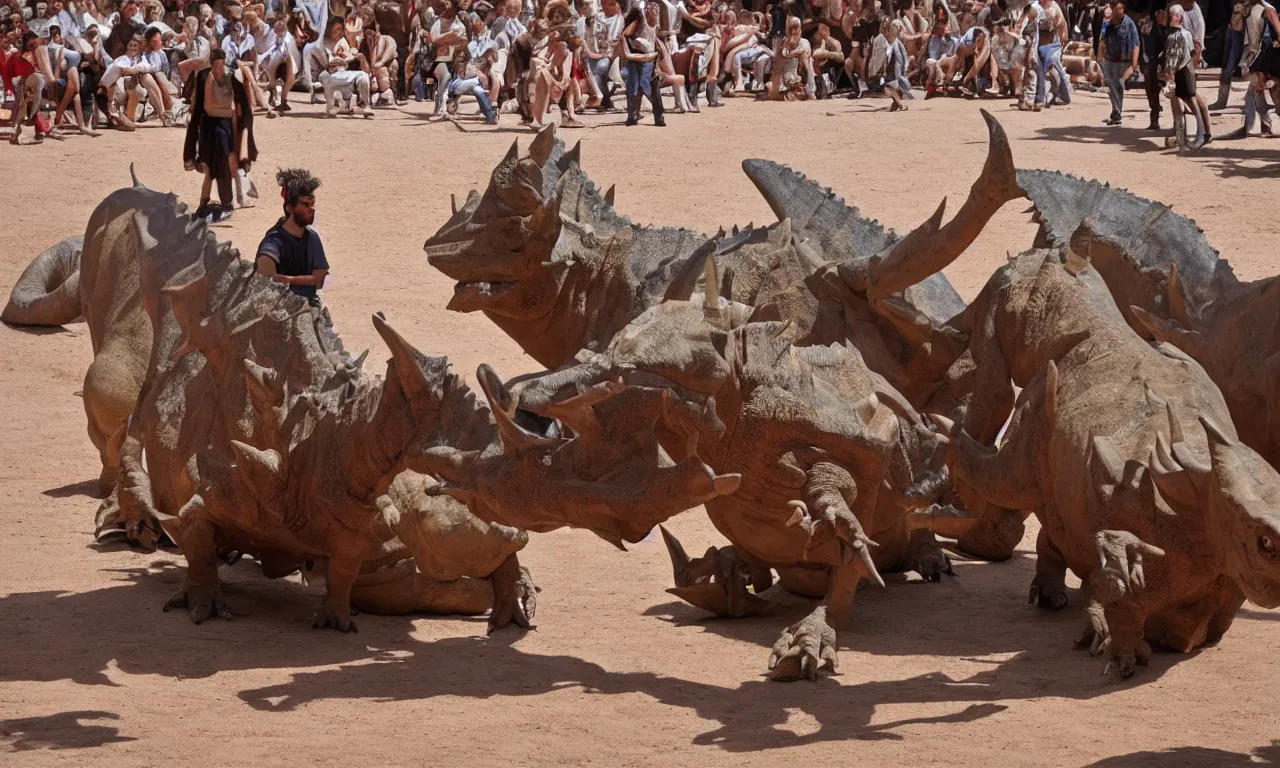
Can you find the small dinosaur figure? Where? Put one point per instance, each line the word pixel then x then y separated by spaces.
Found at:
pixel 838 471
pixel 1127 454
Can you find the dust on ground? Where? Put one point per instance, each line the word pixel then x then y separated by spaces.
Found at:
pixel 618 673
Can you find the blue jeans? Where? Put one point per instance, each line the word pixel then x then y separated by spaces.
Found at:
pixel 640 79
pixel 459 87
pixel 1051 56
pixel 599 68
pixel 1113 71
pixel 1232 52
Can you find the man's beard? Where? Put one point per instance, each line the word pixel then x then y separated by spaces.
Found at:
pixel 300 221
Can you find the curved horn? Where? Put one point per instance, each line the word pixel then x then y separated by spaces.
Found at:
pixel 932 248
pixel 514 437
pixel 609 194
pixel 133 174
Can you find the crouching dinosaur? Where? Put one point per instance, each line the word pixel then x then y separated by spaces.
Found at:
pixel 260 436
pixel 1127 454
pixel 547 257
pixel 1172 286
pixel 838 471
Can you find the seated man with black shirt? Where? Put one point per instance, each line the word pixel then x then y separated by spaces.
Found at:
pixel 291 252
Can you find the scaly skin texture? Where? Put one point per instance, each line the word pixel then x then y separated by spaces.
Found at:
pixel 1171 286
pixel 836 466
pixel 212 394
pixel 546 257
pixel 1122 450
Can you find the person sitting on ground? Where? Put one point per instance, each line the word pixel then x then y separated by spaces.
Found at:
pixel 468 80
pixel 379 52
pixel 340 74
pixel 797 63
pixel 153 51
pixel 939 59
pixel 276 64
pixel 291 252
pixel 67 77
pixel 129 79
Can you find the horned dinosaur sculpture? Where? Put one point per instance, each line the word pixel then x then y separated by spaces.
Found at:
pixel 260 436
pixel 96 277
pixel 838 471
pixel 198 402
pixel 550 261
pixel 1172 286
pixel 1122 450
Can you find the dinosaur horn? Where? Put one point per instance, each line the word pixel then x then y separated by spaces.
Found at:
pixel 543 144
pixel 453 203
pixel 514 437
pixel 133 174
pixel 265 469
pixel 411 367
pixel 188 293
pixel 609 194
pixel 711 308
pixel 933 247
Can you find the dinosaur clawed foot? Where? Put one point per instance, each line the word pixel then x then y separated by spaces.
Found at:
pixel 332 617
pixel 926 557
pixel 1127 648
pixel 515 596
pixel 804 649
pixel 200 602
pixel 717 581
pixel 1049 596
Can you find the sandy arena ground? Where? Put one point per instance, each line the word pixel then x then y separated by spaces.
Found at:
pixel 618 673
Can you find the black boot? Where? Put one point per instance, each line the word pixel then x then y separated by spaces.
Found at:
pixel 692 91
pixel 1155 120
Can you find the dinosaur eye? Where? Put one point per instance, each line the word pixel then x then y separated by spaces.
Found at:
pixel 1267 545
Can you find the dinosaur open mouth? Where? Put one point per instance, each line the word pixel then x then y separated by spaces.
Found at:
pixel 484 288
pixel 473 295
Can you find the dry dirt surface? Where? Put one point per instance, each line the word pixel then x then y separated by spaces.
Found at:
pixel 618 673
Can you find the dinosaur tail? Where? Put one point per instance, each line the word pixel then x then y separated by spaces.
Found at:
pixel 48 292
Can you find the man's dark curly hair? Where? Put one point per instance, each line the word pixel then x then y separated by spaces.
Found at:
pixel 296 183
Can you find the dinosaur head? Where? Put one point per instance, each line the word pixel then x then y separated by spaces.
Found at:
pixel 1240 492
pixel 498 245
pixel 1245 494
pixel 590 460
pixel 682 353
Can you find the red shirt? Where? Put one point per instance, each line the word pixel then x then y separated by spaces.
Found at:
pixel 16 66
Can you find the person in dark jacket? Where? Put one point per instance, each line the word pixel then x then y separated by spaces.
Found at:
pixel 219 132
pixel 1153 30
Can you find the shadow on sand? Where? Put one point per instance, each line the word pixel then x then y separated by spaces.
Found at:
pixel 61 731
pixel 1227 158
pixel 980 616
pixel 1194 757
